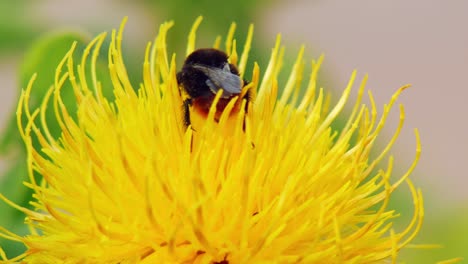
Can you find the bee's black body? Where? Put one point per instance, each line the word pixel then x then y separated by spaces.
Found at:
pixel 204 72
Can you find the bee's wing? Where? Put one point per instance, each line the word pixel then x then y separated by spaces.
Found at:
pixel 221 79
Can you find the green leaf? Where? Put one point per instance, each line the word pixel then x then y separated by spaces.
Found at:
pixel 11 186
pixel 42 58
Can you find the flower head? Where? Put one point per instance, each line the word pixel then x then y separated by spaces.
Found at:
pixel 128 182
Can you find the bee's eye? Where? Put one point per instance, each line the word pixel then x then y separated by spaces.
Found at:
pixel 226 67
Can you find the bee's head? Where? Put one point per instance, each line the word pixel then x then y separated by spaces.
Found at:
pixel 207 57
pixel 205 71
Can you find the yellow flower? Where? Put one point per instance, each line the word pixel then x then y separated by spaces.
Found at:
pixel 126 182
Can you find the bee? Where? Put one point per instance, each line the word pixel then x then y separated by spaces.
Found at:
pixel 204 73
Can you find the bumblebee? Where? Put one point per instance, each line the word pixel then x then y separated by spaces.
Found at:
pixel 204 73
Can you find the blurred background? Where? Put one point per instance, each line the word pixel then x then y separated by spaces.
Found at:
pixel 422 42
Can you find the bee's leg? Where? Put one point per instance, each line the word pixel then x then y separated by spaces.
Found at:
pixel 186 110
pixel 247 98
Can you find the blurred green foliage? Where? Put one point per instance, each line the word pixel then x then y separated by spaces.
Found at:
pixel 447 229
pixel 16 31
pixel 218 16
